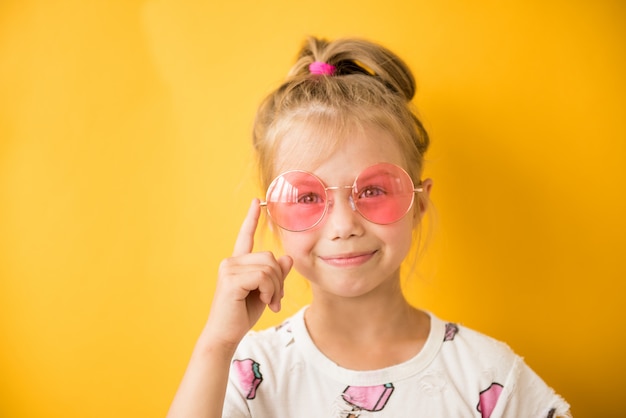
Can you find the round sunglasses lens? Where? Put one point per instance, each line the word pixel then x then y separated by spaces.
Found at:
pixel 296 200
pixel 384 193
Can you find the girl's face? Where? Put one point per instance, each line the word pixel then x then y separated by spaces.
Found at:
pixel 345 255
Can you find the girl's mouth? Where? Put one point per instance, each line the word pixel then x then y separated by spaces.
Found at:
pixel 349 260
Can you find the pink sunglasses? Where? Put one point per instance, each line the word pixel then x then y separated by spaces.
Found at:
pixel 298 200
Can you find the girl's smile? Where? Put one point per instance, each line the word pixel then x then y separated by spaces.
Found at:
pixel 349 260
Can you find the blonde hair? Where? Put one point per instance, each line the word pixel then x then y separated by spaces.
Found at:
pixel 370 85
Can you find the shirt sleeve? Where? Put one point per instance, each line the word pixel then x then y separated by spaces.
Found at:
pixel 527 395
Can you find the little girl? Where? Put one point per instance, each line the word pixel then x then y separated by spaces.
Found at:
pixel 340 151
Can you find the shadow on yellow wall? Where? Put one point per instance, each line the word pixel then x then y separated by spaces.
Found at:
pixel 125 171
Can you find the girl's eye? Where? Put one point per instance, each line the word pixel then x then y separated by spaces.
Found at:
pixel 310 198
pixel 371 191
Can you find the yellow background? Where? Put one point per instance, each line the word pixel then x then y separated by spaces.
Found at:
pixel 125 171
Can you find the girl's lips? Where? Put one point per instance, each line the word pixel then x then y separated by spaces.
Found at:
pixel 348 260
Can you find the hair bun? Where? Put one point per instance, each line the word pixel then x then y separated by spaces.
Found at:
pixel 357 56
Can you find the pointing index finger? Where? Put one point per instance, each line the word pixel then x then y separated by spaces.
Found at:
pixel 245 240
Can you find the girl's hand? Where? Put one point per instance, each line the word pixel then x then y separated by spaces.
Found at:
pixel 247 282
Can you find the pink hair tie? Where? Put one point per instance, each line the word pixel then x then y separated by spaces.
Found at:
pixel 322 68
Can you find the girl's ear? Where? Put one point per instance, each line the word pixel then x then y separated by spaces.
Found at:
pixel 423 198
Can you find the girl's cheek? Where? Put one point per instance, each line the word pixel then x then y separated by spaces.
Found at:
pixel 291 244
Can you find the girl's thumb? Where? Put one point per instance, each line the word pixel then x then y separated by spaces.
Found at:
pixel 285 262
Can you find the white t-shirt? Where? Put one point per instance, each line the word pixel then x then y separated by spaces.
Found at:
pixel 459 372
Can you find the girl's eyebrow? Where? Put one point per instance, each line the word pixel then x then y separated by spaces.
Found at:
pixel 378 174
pixel 303 178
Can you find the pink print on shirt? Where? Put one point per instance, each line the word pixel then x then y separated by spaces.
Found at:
pixel 368 398
pixel 451 331
pixel 488 399
pixel 249 376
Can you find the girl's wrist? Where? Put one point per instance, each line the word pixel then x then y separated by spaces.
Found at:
pixel 215 344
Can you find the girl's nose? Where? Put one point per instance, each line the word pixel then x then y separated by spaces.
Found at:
pixel 343 219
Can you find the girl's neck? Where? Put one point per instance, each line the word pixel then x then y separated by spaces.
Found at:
pixel 368 332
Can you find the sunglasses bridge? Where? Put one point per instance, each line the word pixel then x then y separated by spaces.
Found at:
pixel 329 202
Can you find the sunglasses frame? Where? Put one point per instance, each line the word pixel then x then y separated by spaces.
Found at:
pixel 328 202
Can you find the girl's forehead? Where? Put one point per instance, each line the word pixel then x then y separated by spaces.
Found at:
pixel 349 152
